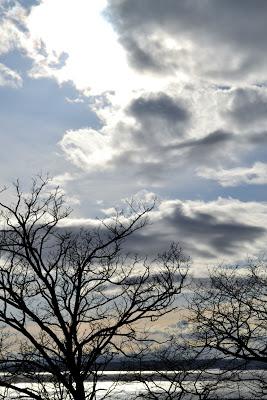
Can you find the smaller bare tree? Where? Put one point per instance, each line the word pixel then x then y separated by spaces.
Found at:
pixel 178 373
pixel 73 299
pixel 224 352
pixel 230 316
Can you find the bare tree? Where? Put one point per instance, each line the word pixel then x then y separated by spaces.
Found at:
pixel 224 351
pixel 70 299
pixel 231 312
pixel 178 373
pixel 230 316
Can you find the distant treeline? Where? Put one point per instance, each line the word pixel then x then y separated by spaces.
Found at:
pixel 151 365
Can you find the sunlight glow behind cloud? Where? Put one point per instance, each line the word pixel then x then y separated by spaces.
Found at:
pixel 95 59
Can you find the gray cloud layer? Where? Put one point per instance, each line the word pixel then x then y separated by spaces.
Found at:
pixel 223 228
pixel 234 30
pixel 248 107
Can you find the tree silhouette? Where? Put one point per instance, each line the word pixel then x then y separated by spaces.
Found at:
pixel 231 312
pixel 230 317
pixel 223 353
pixel 72 299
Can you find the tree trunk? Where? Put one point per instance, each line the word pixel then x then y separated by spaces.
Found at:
pixel 80 392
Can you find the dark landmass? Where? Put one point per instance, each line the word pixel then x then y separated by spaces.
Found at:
pixel 131 365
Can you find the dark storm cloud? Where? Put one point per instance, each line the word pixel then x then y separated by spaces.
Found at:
pixel 221 236
pixel 158 106
pixel 237 26
pixel 212 139
pixel 200 229
pixel 200 233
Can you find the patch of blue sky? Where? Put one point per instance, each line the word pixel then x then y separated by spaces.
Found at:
pixel 29 3
pixel 208 190
pixel 34 117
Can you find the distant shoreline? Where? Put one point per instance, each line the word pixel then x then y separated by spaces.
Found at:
pixel 131 376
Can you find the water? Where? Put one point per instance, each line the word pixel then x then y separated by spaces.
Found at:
pixel 125 387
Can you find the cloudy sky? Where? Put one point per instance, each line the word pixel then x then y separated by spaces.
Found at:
pixel 143 98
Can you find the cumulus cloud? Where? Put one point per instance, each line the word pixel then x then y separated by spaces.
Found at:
pixel 255 175
pixel 138 136
pixel 155 134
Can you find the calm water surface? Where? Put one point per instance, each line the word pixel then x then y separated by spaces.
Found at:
pixel 130 389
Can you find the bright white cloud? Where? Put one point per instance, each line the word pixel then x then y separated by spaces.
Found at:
pixel 87 149
pixel 255 175
pixel 61 180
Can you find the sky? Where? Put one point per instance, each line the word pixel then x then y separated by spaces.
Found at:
pixel 143 99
